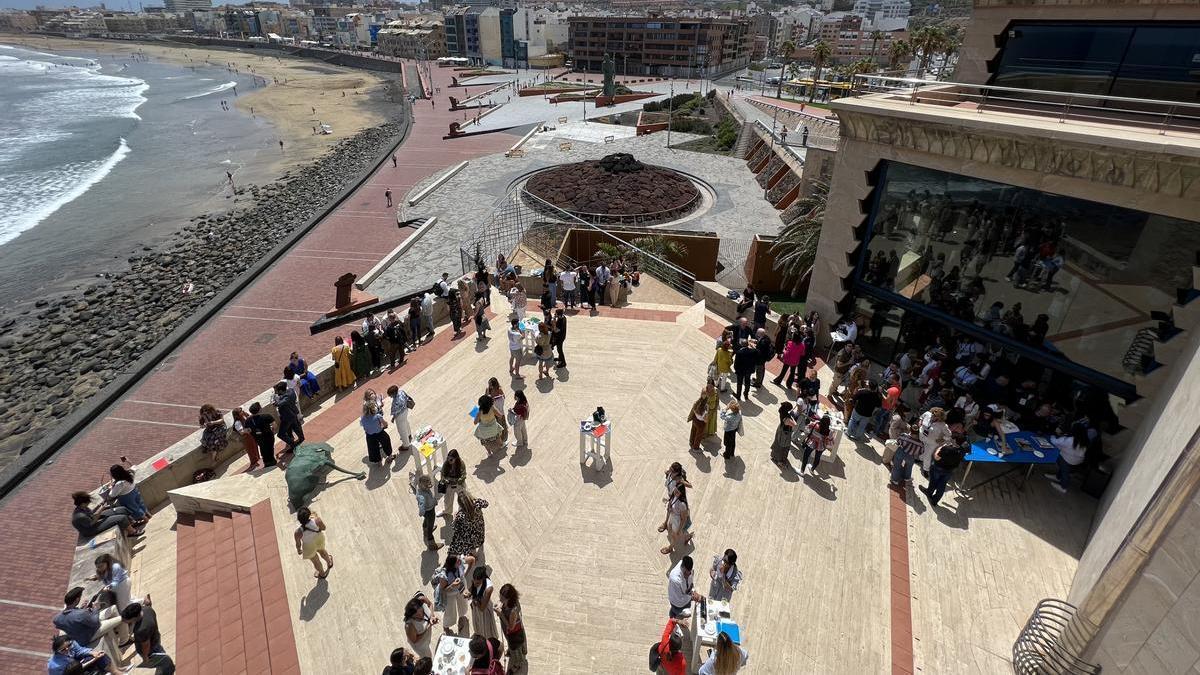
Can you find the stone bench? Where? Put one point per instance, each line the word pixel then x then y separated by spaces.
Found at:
pixel 113 542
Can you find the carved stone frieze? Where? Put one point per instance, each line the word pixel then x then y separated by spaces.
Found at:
pixel 1169 175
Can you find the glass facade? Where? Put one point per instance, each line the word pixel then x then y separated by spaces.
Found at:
pixel 1154 61
pixel 1063 279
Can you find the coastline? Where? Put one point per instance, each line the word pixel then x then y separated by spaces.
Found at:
pixel 57 350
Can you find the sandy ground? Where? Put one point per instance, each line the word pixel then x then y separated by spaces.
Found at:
pixel 303 85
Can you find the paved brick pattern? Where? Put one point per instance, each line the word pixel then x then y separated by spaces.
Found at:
pixel 233 357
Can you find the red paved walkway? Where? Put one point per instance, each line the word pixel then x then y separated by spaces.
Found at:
pixel 235 356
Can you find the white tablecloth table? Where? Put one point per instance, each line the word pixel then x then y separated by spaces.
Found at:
pixel 453 656
pixel 706 635
pixel 430 452
pixel 597 449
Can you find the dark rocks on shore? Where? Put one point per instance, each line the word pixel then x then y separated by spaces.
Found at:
pixel 56 357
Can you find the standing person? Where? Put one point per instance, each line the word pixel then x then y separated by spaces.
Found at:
pixel 712 412
pixel 908 450
pixel 496 392
pixel 419 621
pixel 731 418
pixel 469 526
pixel 678 519
pixel 518 299
pixel 516 348
pixel 863 404
pixel 841 365
pixel 671 660
pixel 452 580
pixel 681 591
pixel 216 435
pixel 291 425
pixel 454 306
pixel 762 307
pixel 723 360
pixel 401 404
pixel 550 282
pixel 890 398
pixel 427 311
pixel 726 659
pixel 393 154
pixel 360 356
pixel 454 475
pixel 479 596
pixel 489 426
pixel 343 369
pixel 395 338
pixel 745 360
pixel 583 280
pixel 782 443
pixel 566 282
pixel 427 509
pixel 793 355
pixel 934 433
pixel 387 194
pixel 481 321
pixel 558 336
pixel 375 428
pixel 766 352
pixel 310 541
pixel 513 627
pixel 262 425
pixel 697 417
pixel 518 416
pixel 414 324
pixel 1072 450
pixel 725 575
pixel 541 350
pixel 600 284
pixel 241 425
pixel 820 437
pixel 945 460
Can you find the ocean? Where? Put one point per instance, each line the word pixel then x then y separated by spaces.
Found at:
pixel 101 155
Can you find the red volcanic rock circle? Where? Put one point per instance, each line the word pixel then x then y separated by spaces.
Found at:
pixel 616 188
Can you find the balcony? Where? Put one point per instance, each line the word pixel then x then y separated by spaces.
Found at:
pixel 1163 123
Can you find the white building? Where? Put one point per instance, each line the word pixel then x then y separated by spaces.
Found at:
pixel 883 15
pixel 186 5
pixel 796 24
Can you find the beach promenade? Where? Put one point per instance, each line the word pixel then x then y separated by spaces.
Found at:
pixel 233 357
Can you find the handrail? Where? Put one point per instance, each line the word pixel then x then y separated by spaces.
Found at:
pixel 1019 90
pixel 1050 642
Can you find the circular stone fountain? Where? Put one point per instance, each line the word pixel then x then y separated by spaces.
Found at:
pixel 617 189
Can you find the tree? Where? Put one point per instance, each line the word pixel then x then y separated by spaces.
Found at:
pixel 795 248
pixel 860 67
pixel 876 38
pixel 785 52
pixel 821 52
pixel 949 49
pixel 927 42
pixel 901 50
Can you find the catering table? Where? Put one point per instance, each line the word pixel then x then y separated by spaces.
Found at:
pixel 529 332
pixel 985 451
pixel 595 442
pixel 453 656
pixel 431 451
pixel 836 425
pixel 719 615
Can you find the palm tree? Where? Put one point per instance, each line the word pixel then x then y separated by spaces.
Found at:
pixel 927 41
pixel 660 247
pixel 876 38
pixel 821 52
pixel 949 48
pixel 901 50
pixel 860 67
pixel 785 52
pixel 795 248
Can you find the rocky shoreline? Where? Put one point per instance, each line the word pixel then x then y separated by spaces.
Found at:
pixel 57 354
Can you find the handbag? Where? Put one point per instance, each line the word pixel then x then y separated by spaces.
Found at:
pixel 712 371
pixel 411 403
pixel 512 417
pixel 441 487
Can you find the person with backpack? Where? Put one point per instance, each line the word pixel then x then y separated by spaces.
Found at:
pixel 945 460
pixel 401 404
pixel 395 339
pixel 485 656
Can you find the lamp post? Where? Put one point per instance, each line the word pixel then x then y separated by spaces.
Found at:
pixel 670 110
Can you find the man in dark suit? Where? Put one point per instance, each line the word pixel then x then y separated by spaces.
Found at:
pixel 745 359
pixel 742 330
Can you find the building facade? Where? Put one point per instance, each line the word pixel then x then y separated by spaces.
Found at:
pixel 851 39
pixel 462 33
pixel 186 5
pixel 1067 243
pixel 419 40
pixel 660 45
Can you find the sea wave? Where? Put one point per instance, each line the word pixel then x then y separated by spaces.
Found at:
pixel 219 88
pixel 27 199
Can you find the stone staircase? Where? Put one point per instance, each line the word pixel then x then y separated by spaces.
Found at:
pixel 1170 342
pixel 231 605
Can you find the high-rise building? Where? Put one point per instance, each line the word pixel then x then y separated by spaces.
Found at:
pixel 186 5
pixel 660 45
pixel 1044 207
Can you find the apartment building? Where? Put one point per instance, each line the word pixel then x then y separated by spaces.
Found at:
pixel 663 46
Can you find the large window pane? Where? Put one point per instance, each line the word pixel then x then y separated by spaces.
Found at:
pixel 1163 62
pixel 1076 58
pixel 1075 278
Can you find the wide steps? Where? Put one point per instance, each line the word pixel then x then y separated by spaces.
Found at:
pixel 231 604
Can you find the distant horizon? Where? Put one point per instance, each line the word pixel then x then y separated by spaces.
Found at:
pixel 115 6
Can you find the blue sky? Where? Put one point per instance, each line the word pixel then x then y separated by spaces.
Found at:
pixel 115 5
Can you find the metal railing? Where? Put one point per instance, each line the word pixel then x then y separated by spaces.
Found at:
pixel 1064 106
pixel 1050 643
pixel 520 219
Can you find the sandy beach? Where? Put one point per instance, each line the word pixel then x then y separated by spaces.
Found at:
pixel 304 85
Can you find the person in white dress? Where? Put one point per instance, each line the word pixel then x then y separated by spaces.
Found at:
pixel 726 659
pixel 401 404
pixel 934 434
pixel 479 595
pixel 419 621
